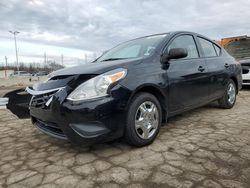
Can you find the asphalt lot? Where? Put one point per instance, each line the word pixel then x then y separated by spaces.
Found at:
pixel 207 147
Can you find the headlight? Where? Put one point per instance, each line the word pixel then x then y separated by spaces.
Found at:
pixel 97 86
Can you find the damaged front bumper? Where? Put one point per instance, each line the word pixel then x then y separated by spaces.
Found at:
pixel 83 123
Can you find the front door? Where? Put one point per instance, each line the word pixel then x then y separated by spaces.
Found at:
pixel 188 77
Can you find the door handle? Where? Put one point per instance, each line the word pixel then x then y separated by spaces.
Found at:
pixel 226 66
pixel 201 68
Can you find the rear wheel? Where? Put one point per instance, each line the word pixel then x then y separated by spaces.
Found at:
pixel 143 120
pixel 229 98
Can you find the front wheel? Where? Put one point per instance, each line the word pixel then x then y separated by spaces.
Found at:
pixel 143 120
pixel 229 98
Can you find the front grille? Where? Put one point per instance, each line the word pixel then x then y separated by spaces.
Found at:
pixel 49 128
pixel 39 101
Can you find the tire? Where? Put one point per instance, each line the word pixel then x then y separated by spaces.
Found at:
pixel 144 109
pixel 225 101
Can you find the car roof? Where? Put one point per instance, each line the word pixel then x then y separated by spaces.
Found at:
pixel 197 34
pixel 172 33
pixel 168 33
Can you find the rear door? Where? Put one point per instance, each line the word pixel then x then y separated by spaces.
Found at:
pixel 217 67
pixel 187 76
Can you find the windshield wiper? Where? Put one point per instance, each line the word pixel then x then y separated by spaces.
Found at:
pixel 113 59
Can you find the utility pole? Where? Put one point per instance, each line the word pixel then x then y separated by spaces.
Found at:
pixel 6 64
pixel 45 58
pixel 15 33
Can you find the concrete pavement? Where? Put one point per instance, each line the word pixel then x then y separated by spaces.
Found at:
pixel 207 147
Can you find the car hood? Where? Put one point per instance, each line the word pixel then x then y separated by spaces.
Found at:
pixel 96 67
pixel 79 74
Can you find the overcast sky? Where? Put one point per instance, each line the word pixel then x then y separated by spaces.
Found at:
pixel 73 27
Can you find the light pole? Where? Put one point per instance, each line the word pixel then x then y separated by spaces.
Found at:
pixel 15 33
pixel 6 64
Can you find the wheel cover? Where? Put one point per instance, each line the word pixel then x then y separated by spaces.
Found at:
pixel 231 93
pixel 146 120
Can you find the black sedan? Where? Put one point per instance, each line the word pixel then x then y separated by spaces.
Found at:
pixel 134 87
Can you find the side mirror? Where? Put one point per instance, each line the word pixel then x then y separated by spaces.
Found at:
pixel 175 53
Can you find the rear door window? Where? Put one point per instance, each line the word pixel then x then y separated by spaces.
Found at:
pixel 207 47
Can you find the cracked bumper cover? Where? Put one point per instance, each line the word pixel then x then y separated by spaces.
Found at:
pixel 83 123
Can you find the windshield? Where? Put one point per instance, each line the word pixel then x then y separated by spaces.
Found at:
pixel 133 49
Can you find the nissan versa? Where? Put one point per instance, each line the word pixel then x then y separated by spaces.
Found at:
pixel 134 87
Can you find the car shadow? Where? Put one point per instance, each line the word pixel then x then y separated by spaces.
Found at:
pixel 245 88
pixel 120 142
